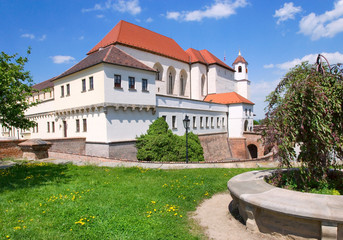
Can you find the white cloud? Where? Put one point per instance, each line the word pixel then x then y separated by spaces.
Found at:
pixel 333 58
pixel 219 9
pixel 173 15
pixel 288 11
pixel 62 59
pixel 42 38
pixel 149 20
pixel 100 16
pixel 268 66
pixel 130 6
pixel 28 35
pixel 327 24
pixel 81 37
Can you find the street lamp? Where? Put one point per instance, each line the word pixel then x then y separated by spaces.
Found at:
pixel 186 123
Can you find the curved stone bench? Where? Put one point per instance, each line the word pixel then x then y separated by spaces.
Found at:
pixel 270 209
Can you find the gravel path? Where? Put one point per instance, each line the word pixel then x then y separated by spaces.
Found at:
pixel 214 217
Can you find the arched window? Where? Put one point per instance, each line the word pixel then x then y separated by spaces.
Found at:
pixel 159 71
pixel 183 82
pixel 170 83
pixel 239 68
pixel 246 125
pixel 246 70
pixel 182 86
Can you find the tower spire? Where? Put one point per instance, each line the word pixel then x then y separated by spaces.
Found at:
pixel 239 52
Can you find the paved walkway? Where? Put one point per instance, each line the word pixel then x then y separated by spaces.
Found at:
pixel 218 223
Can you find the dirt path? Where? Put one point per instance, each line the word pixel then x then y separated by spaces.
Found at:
pixel 214 217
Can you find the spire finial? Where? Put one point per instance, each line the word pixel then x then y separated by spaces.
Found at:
pixel 239 52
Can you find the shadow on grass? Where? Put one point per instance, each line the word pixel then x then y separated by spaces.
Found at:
pixel 31 175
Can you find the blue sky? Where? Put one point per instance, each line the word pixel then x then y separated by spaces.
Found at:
pixel 272 35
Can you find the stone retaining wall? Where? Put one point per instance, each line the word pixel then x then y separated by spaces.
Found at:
pixel 10 149
pixel 216 147
pixel 68 145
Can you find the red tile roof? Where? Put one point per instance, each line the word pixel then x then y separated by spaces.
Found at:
pixel 205 57
pixel 111 55
pixel 195 56
pixel 44 85
pixel 227 98
pixel 211 59
pixel 240 59
pixel 128 34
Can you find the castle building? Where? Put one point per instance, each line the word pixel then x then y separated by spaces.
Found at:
pixel 130 78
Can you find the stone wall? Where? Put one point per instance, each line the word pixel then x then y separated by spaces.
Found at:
pixel 68 145
pixel 238 148
pixel 9 148
pixel 216 147
pixel 255 139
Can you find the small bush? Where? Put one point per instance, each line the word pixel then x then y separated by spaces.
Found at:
pixel 160 144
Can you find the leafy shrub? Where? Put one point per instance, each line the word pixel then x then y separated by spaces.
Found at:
pixel 160 144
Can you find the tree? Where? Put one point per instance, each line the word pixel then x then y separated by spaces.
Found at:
pixel 15 88
pixel 306 109
pixel 160 144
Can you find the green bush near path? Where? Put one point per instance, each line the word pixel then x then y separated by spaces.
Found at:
pixel 47 201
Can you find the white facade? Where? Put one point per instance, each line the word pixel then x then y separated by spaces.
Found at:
pixel 105 113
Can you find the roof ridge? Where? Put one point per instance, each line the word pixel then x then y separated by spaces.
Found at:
pixel 108 52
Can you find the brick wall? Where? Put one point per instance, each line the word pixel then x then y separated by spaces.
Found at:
pixel 68 145
pixel 9 148
pixel 216 147
pixel 239 148
pixel 255 139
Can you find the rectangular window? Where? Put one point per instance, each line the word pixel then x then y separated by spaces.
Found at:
pixel 164 117
pixel 85 125
pixel 131 83
pixel 62 91
pixel 77 125
pixel 212 122
pixel 218 123
pixel 223 122
pixel 174 121
pixel 207 122
pixel 194 122
pixel 201 122
pixel 68 89
pixel 91 83
pixel 37 128
pixel 117 81
pixel 53 127
pixel 48 127
pixel 144 85
pixel 83 85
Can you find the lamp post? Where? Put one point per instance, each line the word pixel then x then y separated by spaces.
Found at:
pixel 186 123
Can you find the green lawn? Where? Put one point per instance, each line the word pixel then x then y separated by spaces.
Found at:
pixel 47 201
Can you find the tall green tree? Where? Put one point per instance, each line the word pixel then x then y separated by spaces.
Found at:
pixel 15 88
pixel 306 109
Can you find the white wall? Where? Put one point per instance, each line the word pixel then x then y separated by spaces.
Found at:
pixel 237 117
pixel 243 88
pixel 197 71
pixel 150 59
pixel 169 107
pixel 125 95
pixel 127 125
pixel 78 98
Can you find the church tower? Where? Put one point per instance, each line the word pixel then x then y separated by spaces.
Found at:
pixel 241 76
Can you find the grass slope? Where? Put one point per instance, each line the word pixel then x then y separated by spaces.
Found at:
pixel 46 201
